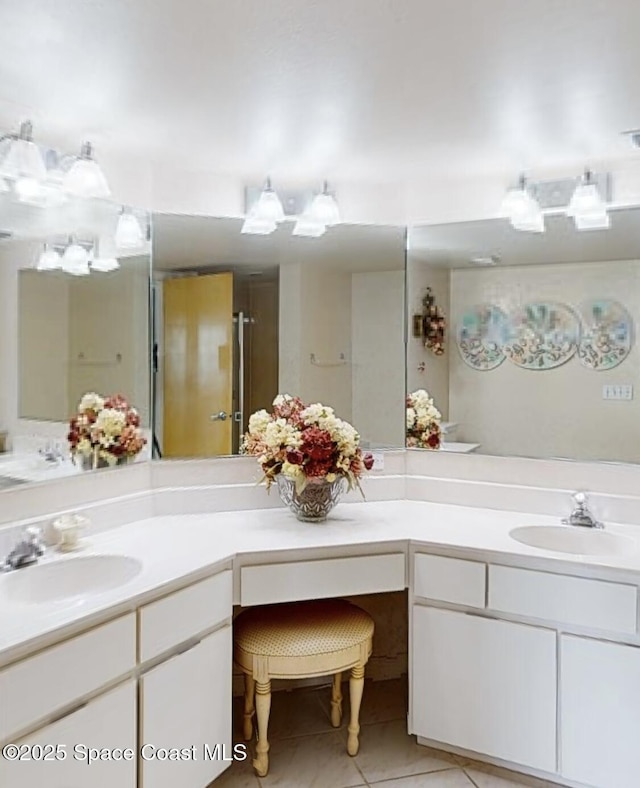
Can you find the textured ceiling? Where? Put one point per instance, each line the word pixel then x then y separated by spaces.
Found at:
pixel 362 89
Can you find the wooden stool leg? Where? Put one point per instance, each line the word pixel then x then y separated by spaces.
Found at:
pixel 336 700
pixel 249 706
pixel 263 707
pixel 356 686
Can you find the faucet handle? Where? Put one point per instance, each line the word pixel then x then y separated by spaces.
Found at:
pixel 34 536
pixel 580 499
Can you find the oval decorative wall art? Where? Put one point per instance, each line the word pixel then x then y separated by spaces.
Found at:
pixel 542 335
pixel 607 334
pixel 481 334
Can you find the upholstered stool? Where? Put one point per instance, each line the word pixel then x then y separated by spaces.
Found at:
pixel 301 640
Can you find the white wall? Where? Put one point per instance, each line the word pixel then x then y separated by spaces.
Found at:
pixel 553 413
pixel 378 363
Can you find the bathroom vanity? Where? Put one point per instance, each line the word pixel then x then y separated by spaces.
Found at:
pixel 517 655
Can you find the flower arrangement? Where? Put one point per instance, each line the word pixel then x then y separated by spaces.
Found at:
pixel 423 421
pixel 105 431
pixel 305 443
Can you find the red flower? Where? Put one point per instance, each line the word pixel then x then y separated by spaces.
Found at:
pixel 367 461
pixel 317 444
pixel 295 457
pixel 434 440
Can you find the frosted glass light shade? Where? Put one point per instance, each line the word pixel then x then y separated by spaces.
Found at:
pixel 28 190
pixel 105 264
pixel 128 232
pixel 268 208
pixel 86 179
pixel 308 226
pixel 75 260
pixel 523 211
pixel 588 209
pixel 324 209
pixel 49 260
pixel 22 159
pixel 256 226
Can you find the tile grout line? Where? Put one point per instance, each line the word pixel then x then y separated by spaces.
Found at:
pixel 469 777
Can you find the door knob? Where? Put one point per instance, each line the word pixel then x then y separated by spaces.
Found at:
pixel 222 416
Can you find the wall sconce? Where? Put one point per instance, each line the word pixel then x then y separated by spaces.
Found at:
pixel 129 233
pixel 522 209
pixel 265 214
pixel 587 207
pixel 430 325
pixel 84 177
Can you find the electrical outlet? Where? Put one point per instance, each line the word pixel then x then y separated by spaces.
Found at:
pixel 617 391
pixel 378 461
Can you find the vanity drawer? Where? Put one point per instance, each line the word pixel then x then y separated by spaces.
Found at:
pixel 565 599
pixel 184 614
pixel 452 580
pixel 331 577
pixel 38 686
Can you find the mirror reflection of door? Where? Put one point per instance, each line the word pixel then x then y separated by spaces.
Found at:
pixel 198 365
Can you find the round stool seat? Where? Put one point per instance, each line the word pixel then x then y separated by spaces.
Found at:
pixel 301 640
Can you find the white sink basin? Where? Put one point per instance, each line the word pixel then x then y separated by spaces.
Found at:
pixel 573 539
pixel 72 580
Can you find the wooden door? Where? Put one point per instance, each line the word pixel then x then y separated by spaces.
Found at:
pixel 198 357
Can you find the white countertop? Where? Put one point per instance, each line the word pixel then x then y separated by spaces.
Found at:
pixel 180 548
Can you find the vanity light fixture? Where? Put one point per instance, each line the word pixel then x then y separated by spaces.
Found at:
pixel 322 213
pixel 85 177
pixel 49 259
pixel 587 207
pixel 307 225
pixel 102 262
pixel 21 159
pixel 324 207
pixel 129 233
pixel 265 213
pixel 75 260
pixel 522 209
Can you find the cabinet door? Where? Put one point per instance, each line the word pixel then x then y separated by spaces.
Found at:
pixel 484 685
pixel 185 705
pixel 599 712
pixel 107 724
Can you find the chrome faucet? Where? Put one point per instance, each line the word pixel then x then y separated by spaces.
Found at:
pixel 52 452
pixel 581 515
pixel 28 550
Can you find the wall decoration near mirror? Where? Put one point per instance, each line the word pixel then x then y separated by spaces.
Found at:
pixel 607 334
pixel 430 325
pixel 483 332
pixel 542 335
pixel 589 284
pixel 239 318
pixel 66 332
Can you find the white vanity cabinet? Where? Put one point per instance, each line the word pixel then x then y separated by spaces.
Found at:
pixel 599 712
pixel 186 705
pixel 57 755
pixel 484 685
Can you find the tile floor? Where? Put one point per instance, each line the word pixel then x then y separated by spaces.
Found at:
pixel 306 752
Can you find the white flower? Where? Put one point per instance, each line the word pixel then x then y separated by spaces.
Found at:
pixel 280 433
pixel 91 401
pixel 281 399
pixel 291 471
pixel 110 422
pixel 411 417
pixel 258 422
pixel 318 414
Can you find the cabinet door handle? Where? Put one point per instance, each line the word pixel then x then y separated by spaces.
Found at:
pixel 222 416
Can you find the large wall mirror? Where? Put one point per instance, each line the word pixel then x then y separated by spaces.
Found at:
pixel 540 351
pixel 239 318
pixel 65 333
